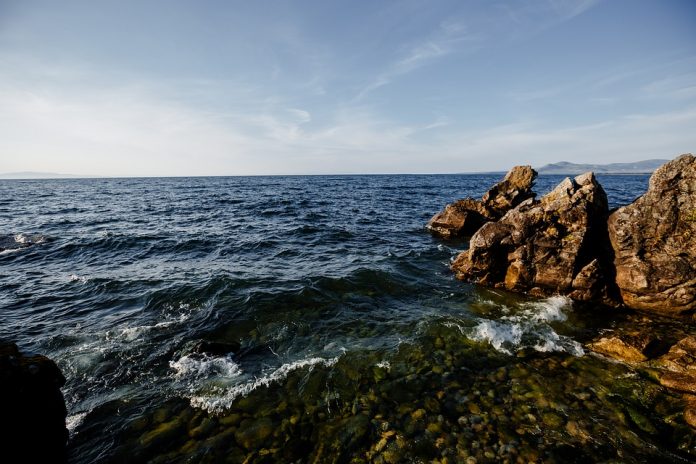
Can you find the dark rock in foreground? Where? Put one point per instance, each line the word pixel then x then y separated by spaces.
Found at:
pixel 32 421
pixel 464 217
pixel 654 241
pixel 554 245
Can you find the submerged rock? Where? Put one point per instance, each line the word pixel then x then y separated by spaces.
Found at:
pixel 554 245
pixel 464 217
pixel 627 347
pixel 33 410
pixel 654 241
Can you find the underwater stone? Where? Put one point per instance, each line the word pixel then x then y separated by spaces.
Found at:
pixel 252 434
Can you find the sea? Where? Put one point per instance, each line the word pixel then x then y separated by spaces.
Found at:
pixel 339 333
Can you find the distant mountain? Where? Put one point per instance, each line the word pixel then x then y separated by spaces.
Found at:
pixel 638 167
pixel 39 175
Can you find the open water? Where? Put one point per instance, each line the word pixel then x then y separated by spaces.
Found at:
pixel 347 337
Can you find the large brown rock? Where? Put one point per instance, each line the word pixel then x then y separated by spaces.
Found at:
pixel 464 217
pixel 555 245
pixel 32 417
pixel 654 241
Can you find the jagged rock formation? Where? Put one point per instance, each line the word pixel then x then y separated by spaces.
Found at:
pixel 554 245
pixel 654 241
pixel 464 217
pixel 32 424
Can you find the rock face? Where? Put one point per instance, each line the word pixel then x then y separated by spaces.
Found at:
pixel 464 217
pixel 33 410
pixel 555 245
pixel 654 241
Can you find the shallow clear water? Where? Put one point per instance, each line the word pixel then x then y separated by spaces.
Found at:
pixel 346 317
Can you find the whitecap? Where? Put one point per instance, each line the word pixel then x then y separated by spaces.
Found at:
pixel 21 238
pixel 222 398
pixel 77 278
pixel 204 366
pixel 73 421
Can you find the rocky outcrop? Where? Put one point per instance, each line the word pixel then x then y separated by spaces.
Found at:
pixel 654 241
pixel 32 425
pixel 464 217
pixel 554 245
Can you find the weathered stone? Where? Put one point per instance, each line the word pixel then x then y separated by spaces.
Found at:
pixel 681 357
pixel 515 188
pixel 626 347
pixel 459 219
pixel 679 381
pixel 690 410
pixel 464 217
pixel 554 245
pixel 32 423
pixel 654 241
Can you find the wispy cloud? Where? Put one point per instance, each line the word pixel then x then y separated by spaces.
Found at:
pixel 450 36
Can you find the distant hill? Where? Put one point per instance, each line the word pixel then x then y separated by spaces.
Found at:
pixel 39 175
pixel 638 167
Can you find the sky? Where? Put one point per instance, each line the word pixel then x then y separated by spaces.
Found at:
pixel 177 88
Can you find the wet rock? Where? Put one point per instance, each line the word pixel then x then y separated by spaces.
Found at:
pixel 216 348
pixel 678 381
pixel 629 347
pixel 681 357
pixel 654 241
pixel 252 434
pixel 544 247
pixel 33 412
pixel 690 410
pixel 464 217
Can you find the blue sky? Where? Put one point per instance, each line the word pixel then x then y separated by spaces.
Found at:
pixel 310 87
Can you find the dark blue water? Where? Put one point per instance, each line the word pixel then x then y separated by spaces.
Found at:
pixel 117 279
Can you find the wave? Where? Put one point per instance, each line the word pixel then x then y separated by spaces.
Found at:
pixel 527 328
pixel 221 398
pixel 15 242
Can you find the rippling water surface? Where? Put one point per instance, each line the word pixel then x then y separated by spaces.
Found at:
pixel 346 337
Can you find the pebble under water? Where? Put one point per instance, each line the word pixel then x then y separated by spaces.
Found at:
pixel 352 341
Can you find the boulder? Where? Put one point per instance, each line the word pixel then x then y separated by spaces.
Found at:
pixel 557 244
pixel 654 242
pixel 33 408
pixel 681 357
pixel 628 346
pixel 464 217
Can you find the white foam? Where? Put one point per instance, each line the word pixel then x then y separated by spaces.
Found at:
pixel 500 335
pixel 73 421
pixel 204 366
pixel 21 238
pixel 527 328
pixel 9 251
pixel 383 365
pixel 77 278
pixel 550 309
pixel 222 398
